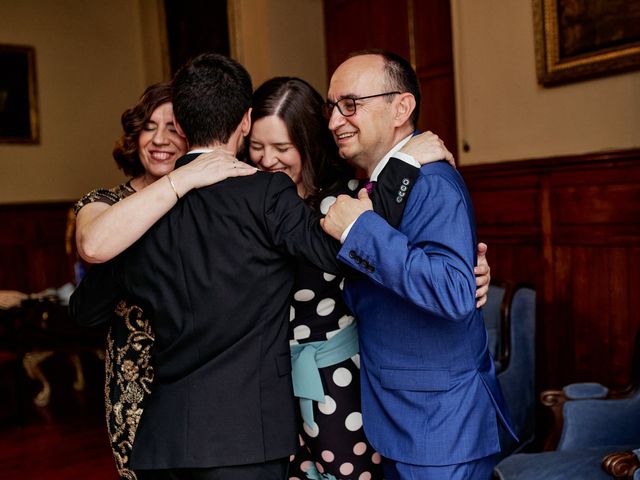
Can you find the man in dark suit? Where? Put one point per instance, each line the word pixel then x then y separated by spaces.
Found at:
pixel 431 403
pixel 215 276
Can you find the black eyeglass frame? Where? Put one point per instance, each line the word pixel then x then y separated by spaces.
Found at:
pixel 328 106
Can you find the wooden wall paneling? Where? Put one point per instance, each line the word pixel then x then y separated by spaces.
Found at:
pixel 53 262
pixel 590 327
pixel 556 340
pixel 195 27
pixel 359 24
pixel 438 103
pixel 579 218
pixel 432 33
pixel 550 363
pixel 32 243
pixel 626 328
pixel 14 258
pixel 513 261
pixel 596 212
pixel 387 26
pixel 619 327
pixel 418 30
pixel 624 272
pixel 14 270
pixel 432 56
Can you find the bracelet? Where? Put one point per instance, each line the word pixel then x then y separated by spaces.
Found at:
pixel 173 186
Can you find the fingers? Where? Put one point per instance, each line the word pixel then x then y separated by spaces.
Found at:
pixel 363 194
pixel 448 156
pixel 481 291
pixel 441 149
pixel 241 169
pixel 483 276
pixel 481 295
pixel 481 270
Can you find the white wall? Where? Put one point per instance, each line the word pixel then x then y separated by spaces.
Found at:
pixel 94 59
pixel 89 69
pixel 504 114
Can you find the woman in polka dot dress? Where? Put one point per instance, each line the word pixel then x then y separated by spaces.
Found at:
pixel 290 134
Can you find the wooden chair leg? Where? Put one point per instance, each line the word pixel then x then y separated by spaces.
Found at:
pixel 79 383
pixel 554 399
pixel 31 363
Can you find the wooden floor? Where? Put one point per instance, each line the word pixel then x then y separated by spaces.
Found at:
pixel 66 440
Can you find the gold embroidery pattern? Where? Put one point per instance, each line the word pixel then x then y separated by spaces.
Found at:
pixel 128 378
pixel 128 370
pixel 105 195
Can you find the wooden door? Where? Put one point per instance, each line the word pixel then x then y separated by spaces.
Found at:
pixel 420 31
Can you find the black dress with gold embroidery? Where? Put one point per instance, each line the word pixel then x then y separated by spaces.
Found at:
pixel 128 369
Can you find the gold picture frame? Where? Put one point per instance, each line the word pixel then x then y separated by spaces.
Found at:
pixel 580 39
pixel 18 95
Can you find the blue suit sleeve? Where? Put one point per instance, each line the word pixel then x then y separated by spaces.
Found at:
pixel 429 259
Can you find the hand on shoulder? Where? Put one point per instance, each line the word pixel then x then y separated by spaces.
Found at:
pixel 426 148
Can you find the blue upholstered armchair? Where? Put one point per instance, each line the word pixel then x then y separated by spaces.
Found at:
pixel 598 434
pixel 510 319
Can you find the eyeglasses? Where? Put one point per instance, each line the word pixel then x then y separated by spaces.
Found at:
pixel 347 106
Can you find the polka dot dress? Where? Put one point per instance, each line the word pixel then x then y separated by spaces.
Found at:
pixel 335 445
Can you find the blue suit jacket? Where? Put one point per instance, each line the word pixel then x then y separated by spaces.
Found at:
pixel 429 390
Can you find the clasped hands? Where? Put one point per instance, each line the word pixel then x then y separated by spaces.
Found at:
pixel 344 212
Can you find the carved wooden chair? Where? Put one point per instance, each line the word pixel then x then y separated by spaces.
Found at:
pixel 596 434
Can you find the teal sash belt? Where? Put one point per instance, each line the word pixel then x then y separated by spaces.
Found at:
pixel 308 358
pixel 313 474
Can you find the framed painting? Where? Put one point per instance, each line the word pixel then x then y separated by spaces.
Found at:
pixel 18 96
pixel 581 39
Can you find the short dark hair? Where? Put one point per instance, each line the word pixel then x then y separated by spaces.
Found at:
pixel 126 152
pixel 211 93
pixel 299 106
pixel 400 75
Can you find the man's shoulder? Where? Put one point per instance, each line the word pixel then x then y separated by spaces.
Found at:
pixel 256 191
pixel 440 170
pixel 257 182
pixel 441 167
pixel 438 181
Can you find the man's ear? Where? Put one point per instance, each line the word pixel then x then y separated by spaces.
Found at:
pixel 405 105
pixel 245 124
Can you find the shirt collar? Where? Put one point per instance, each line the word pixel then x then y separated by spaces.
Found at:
pixel 385 159
pixel 200 150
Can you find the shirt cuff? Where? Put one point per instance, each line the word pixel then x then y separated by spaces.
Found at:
pixel 405 157
pixel 344 235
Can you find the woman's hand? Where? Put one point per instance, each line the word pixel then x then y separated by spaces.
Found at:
pixel 483 275
pixel 11 298
pixel 209 168
pixel 426 148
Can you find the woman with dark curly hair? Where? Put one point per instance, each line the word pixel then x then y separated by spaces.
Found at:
pixel 110 220
pixel 147 151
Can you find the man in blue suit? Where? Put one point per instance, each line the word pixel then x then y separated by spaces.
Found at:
pixel 431 403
